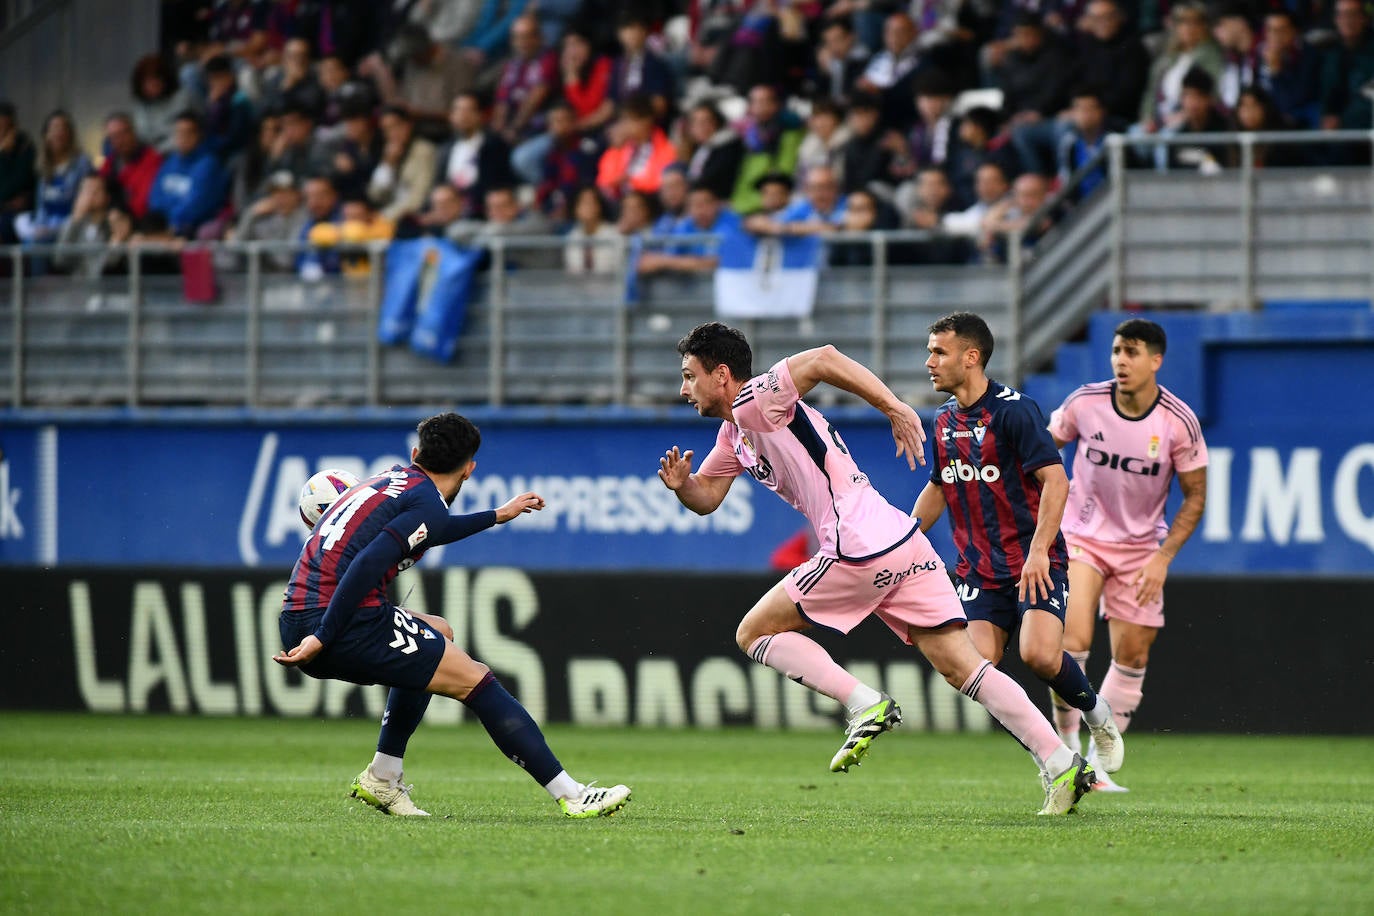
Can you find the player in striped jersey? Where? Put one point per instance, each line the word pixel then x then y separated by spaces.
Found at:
pixel 871 558
pixel 1001 477
pixel 1134 436
pixel 336 615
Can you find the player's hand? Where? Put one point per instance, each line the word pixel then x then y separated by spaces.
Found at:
pixel 909 435
pixel 520 505
pixel 674 468
pixel 1149 582
pixel 1035 584
pixel 307 650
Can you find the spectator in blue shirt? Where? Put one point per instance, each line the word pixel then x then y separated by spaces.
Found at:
pixel 706 215
pixel 1084 139
pixel 489 39
pixel 191 185
pixel 61 167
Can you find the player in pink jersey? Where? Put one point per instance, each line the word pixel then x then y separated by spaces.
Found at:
pixel 1134 436
pixel 872 558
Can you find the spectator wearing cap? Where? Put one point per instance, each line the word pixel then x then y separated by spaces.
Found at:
pixel 712 151
pixel 404 173
pixel 1189 45
pixel 1347 69
pixel 1112 57
pixel 278 217
pixel 357 151
pixel 158 97
pixel 593 243
pixel 826 135
pixel 772 138
pixel 476 159
pixel 638 161
pixel 638 70
pixel 228 118
pixel 191 185
pixel 432 76
pixel 294 149
pixel 1034 77
pixel 130 162
pixel 840 60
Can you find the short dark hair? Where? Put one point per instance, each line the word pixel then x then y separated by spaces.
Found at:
pixel 1028 19
pixel 699 185
pixel 447 442
pixel 1199 80
pixel 971 329
pixel 865 101
pixel 934 82
pixel 191 115
pixel 1088 91
pixel 715 344
pixel 638 106
pixel 768 178
pixel 1145 331
pixel 712 112
pixel 984 118
pixel 221 64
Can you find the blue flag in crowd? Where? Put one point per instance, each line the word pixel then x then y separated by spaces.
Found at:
pixel 766 277
pixel 425 295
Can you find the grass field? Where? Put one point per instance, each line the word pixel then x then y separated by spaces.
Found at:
pixel 169 815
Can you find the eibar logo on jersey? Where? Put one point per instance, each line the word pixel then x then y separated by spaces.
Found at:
pixel 979 432
pixel 1008 394
pixel 957 471
pixel 1153 450
pixel 1116 462
pixel 1098 437
pixel 967 592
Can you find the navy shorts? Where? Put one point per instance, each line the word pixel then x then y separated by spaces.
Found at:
pixel 380 645
pixel 1001 607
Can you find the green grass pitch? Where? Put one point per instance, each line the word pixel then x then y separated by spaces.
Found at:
pixel 169 815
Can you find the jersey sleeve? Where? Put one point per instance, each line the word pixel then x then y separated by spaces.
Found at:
pixel 1025 428
pixel 767 402
pixel 420 524
pixel 1190 450
pixel 721 461
pixel 1064 420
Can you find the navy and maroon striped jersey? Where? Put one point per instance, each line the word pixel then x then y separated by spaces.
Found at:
pixel 403 503
pixel 985 462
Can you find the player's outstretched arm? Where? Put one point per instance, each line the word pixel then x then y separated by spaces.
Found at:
pixel 703 495
pixel 520 505
pixel 1149 582
pixel 930 505
pixel 827 364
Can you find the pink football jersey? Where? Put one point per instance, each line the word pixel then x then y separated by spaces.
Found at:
pixel 1122 466
pixel 791 449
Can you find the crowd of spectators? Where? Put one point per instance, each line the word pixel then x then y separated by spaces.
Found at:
pixel 326 121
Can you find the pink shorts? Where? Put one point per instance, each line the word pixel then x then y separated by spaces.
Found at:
pixel 907 586
pixel 1118 564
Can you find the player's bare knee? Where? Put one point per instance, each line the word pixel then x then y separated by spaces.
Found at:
pixel 1044 664
pixel 745 635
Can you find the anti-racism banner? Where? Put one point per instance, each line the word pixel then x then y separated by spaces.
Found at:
pixel 649 650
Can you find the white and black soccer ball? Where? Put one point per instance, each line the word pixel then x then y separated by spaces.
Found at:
pixel 321 491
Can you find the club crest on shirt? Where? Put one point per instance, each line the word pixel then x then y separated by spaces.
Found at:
pixel 979 432
pixel 1153 451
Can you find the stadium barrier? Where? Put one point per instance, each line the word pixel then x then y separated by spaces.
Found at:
pixel 649 650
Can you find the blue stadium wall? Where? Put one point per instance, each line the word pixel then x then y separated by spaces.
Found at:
pixel 153 546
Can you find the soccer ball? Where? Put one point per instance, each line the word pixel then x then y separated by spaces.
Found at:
pixel 320 492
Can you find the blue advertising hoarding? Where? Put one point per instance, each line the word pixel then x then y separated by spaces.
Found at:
pixel 1287 493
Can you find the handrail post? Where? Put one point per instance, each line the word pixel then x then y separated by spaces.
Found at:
pixel 133 349
pixel 879 280
pixel 1015 263
pixel 1247 221
pixel 1116 157
pixel 621 387
pixel 377 263
pixel 17 330
pixel 496 382
pixel 253 327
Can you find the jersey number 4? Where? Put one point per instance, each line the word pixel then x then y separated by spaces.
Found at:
pixel 336 523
